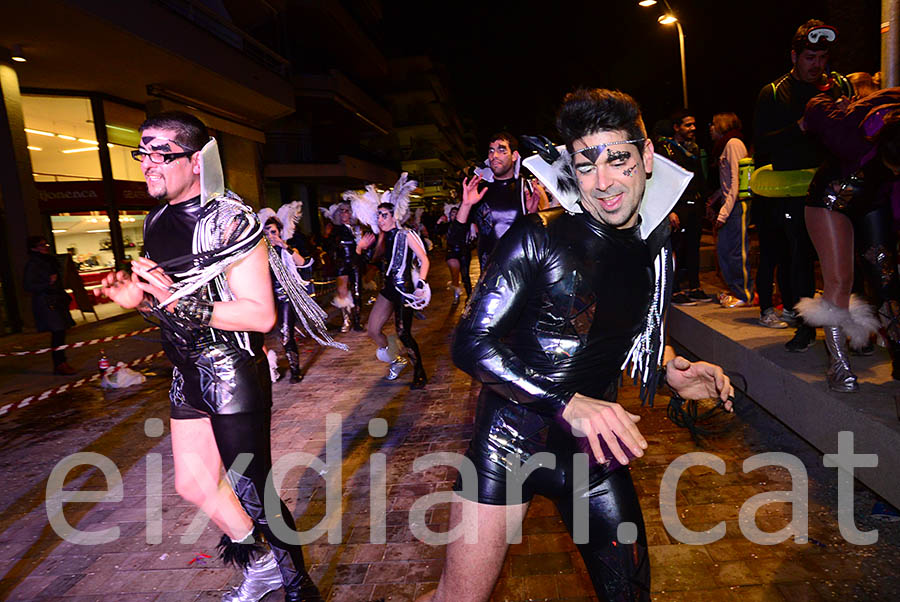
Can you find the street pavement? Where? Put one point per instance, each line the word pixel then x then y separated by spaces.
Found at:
pixel 130 428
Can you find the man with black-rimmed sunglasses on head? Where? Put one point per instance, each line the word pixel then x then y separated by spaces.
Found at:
pixel 205 279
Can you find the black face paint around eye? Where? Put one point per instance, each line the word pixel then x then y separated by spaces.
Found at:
pixel 612 155
pixel 592 153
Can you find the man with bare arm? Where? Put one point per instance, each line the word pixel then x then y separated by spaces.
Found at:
pixel 205 279
pixel 569 298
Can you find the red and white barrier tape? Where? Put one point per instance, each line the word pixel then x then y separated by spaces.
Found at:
pixel 5 409
pixel 80 343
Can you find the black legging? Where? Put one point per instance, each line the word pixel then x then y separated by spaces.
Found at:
pixel 619 571
pixel 238 435
pixel 287 319
pixel 403 317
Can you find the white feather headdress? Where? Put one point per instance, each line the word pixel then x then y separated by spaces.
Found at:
pixel 448 207
pixel 265 213
pixel 289 215
pixel 332 213
pixel 399 197
pixel 364 206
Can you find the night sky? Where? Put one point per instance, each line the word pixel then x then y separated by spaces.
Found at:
pixel 510 63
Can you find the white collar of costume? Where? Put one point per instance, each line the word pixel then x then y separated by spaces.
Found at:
pixel 661 194
pixel 487 174
pixel 212 178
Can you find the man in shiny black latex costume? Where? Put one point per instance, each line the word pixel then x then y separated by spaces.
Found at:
pixel 495 197
pixel 221 393
pixel 563 304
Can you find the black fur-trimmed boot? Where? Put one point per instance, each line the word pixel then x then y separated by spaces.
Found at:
pixel 258 564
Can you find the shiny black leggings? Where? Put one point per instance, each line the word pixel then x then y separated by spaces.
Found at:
pixel 287 319
pixel 403 317
pixel 242 437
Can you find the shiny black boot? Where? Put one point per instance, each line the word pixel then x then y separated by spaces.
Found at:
pixel 355 319
pixel 294 362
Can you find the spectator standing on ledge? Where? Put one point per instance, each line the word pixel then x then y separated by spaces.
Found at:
pixel 731 222
pixel 686 218
pixel 49 299
pixel 780 142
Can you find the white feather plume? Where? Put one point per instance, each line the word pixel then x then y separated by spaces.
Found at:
pixel 332 213
pixel 364 206
pixel 289 215
pixel 265 213
pixel 448 207
pixel 399 197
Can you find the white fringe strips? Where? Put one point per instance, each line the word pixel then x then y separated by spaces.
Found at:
pixel 647 348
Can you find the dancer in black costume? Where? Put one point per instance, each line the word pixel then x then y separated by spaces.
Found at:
pixel 568 298
pixel 345 246
pixel 205 278
pixel 496 196
pixel 459 254
pixel 405 289
pixel 287 317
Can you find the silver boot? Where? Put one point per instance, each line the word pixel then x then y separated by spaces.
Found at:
pixel 345 327
pixel 840 378
pixel 396 367
pixel 261 576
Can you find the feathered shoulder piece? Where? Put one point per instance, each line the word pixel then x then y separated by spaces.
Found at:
pixel 364 205
pixel 399 197
pixel 289 215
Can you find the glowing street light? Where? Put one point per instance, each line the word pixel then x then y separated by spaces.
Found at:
pixel 668 18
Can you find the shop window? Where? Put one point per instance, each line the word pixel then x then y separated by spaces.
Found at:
pixel 122 131
pixel 86 237
pixel 61 138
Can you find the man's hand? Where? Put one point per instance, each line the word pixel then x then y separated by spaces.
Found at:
pixel 471 194
pixel 535 197
pixel 594 418
pixel 365 242
pixel 717 225
pixel 674 222
pixel 699 380
pixel 122 289
pixel 153 281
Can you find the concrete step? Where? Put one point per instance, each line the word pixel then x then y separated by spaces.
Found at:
pixel 791 386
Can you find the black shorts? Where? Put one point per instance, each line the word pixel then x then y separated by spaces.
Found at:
pixel 221 380
pixel 495 422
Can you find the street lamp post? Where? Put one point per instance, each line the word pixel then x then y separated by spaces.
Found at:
pixel 669 18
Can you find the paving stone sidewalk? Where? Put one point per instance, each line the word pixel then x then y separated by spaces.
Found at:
pixel 36 564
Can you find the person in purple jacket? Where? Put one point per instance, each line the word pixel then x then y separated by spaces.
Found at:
pixel 849 201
